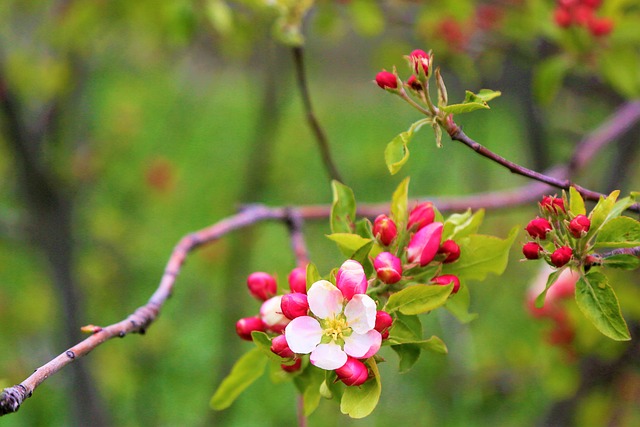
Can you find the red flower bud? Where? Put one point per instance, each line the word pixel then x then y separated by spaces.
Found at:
pixel 384 229
pixel 421 216
pixel 414 83
pixel 593 4
pixel 538 227
pixel 419 59
pixel 600 27
pixel 245 326
pixel 582 14
pixel 294 305
pixel 280 347
pixel 579 226
pixel 262 285
pixel 386 80
pixel 552 205
pixel 298 280
pixel 562 17
pixel 383 323
pixel 445 279
pixel 292 368
pixel 424 244
pixel 531 250
pixel 353 372
pixel 388 267
pixel 561 256
pixel 451 249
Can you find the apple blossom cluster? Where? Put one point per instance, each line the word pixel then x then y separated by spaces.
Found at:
pixel 582 13
pixel 556 233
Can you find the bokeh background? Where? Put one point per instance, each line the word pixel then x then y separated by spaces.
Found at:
pixel 126 125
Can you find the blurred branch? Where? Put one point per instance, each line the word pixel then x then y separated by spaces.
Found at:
pixel 314 124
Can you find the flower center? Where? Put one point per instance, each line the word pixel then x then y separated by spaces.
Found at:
pixel 336 328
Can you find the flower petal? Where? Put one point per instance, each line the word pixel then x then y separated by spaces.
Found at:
pixel 325 300
pixel 328 356
pixel 361 313
pixel 363 345
pixel 303 334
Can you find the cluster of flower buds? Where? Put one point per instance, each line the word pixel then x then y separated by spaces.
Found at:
pixel 420 63
pixel 556 233
pixel 562 333
pixel 582 13
pixel 425 246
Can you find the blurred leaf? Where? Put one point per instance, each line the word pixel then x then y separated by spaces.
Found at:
pixel 597 300
pixel 245 371
pixel 220 15
pixel 343 208
pixel 309 383
pixel 548 76
pixel 621 232
pixel 620 68
pixel 358 402
pixel 366 17
pixel 418 299
pixel 622 261
pixel 458 305
pixel 397 153
pixel 481 255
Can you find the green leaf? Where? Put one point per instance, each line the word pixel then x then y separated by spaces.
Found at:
pixel 458 305
pixel 576 202
pixel 309 383
pixel 485 95
pixel 548 76
pixel 245 371
pixel 597 300
pixel 362 256
pixel 472 102
pixel 397 152
pixel 262 341
pixel 399 204
pixel 418 299
pixel 622 205
pixel 405 328
pixel 312 274
pixel 358 402
pixel 408 355
pixel 458 226
pixel 539 303
pixel 622 261
pixel 465 108
pixel 349 243
pixel 600 212
pixel 437 132
pixel 481 255
pixel 343 208
pixel 621 232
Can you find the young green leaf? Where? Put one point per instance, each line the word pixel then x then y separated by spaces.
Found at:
pixel 539 303
pixel 312 274
pixel 349 243
pixel 622 261
pixel 458 226
pixel 358 402
pixel 621 232
pixel 397 152
pixel 600 212
pixel 399 204
pixel 262 341
pixel 343 208
pixel 418 299
pixel 459 305
pixel 246 370
pixel 576 202
pixel 598 302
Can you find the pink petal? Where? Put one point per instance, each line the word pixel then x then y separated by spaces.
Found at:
pixel 325 300
pixel 328 356
pixel 351 279
pixel 362 346
pixel 361 313
pixel 303 334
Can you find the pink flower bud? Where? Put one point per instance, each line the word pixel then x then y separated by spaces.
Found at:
pixel 531 250
pixel 420 59
pixel 562 17
pixel 445 279
pixel 388 267
pixel 353 372
pixel 294 305
pixel 383 323
pixel 386 80
pixel 579 226
pixel 561 256
pixel 262 285
pixel 451 249
pixel 292 368
pixel 384 229
pixel 552 205
pixel 245 326
pixel 351 279
pixel 298 280
pixel 271 314
pixel 538 227
pixel 421 216
pixel 424 244
pixel 280 347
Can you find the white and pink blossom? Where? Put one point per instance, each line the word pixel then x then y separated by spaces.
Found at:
pixel 339 327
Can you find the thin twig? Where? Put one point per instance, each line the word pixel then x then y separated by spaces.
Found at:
pixel 314 124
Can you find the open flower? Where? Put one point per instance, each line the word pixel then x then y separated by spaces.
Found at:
pixel 336 330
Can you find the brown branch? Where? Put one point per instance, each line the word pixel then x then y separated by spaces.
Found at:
pixel 314 124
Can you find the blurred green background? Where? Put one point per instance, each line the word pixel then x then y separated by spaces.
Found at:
pixel 151 120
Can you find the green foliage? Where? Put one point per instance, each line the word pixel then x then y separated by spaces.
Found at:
pixel 621 232
pixel 358 402
pixel 418 299
pixel 397 152
pixel 245 371
pixel 472 102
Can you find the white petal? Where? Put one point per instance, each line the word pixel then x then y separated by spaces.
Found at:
pixel 361 313
pixel 303 334
pixel 363 345
pixel 328 356
pixel 325 300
